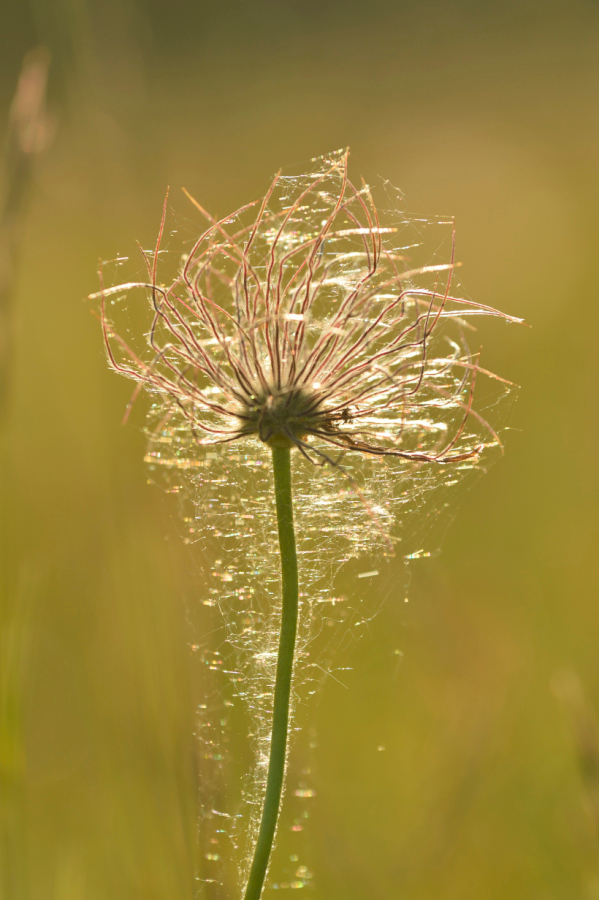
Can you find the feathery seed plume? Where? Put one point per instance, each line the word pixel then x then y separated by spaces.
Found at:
pixel 296 321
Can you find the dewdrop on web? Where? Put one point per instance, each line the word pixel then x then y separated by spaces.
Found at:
pixel 302 324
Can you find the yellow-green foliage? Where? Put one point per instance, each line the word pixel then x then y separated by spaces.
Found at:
pixel 445 766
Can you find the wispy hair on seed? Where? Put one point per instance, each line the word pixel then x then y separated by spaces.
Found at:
pixel 299 320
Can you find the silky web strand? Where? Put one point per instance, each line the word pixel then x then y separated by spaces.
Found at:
pixel 303 323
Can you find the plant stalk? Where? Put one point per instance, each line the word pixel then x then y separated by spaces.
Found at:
pixel 281 459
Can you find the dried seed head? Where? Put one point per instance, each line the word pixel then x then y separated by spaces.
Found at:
pixel 281 418
pixel 298 320
pixel 303 321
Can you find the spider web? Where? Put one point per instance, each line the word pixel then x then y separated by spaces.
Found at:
pixel 347 513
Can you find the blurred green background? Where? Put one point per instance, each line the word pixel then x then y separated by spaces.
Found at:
pixel 468 767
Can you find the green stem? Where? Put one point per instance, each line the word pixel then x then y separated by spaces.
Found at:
pixel 281 460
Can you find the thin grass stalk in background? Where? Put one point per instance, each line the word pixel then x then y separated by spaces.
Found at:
pixel 28 135
pixel 567 686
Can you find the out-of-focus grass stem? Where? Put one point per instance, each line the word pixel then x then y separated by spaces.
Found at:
pixel 568 688
pixel 28 134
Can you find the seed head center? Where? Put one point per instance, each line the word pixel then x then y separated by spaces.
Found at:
pixel 281 417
